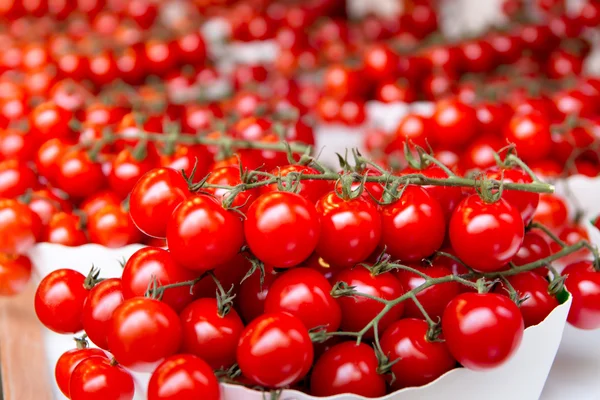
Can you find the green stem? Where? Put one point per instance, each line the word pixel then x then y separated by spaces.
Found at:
pixel 548 232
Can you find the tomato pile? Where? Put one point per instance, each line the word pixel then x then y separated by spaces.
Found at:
pixel 432 250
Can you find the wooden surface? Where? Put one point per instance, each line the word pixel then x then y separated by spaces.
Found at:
pixel 25 374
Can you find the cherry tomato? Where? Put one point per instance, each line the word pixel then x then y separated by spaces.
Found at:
pixel 126 170
pixel 15 178
pixel 531 134
pixel 480 153
pixel 142 332
pixel 420 361
pixel 20 227
pixel 15 272
pixel 14 144
pixel 185 158
pixel 583 282
pixel 434 299
pixel 282 229
pixel 280 341
pixel 412 128
pixel 305 294
pixel 209 335
pixel 231 176
pixel 66 229
pixel 358 311
pixel 551 211
pixel 96 202
pixel 183 376
pixel 98 308
pixel 201 234
pixel 59 301
pixel 534 248
pixel 96 379
pixel 48 120
pixel 414 226
pixel 453 123
pixel 350 229
pixel 252 295
pixel 347 368
pixel 311 189
pixel 67 363
pixel 380 62
pixel 47 157
pixel 486 236
pixel 482 331
pixel 154 198
pixel 571 235
pixel 78 175
pixel 112 227
pixel 524 201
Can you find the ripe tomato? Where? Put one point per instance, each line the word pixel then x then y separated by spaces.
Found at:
pixel 534 248
pixel 583 282
pixel 59 301
pixel 347 368
pixel 20 227
pixel 202 235
pixel 251 297
pixel 524 201
pixel 311 189
pixel 112 227
pixel 65 229
pixel 486 236
pixel 95 378
pixel 67 363
pixel 280 341
pixel 305 294
pixel 530 133
pixel 480 153
pixel 15 178
pixel 15 272
pixel 78 175
pixel 230 176
pixel 48 120
pixel 185 158
pixel 98 308
pixel 282 229
pixel 350 229
pixel 183 376
pixel 551 211
pixel 534 288
pixel 419 360
pixel 434 299
pixel 126 170
pixel 453 123
pixel 209 335
pixel 153 199
pixel 482 331
pixel 45 204
pixel 151 263
pixel 571 235
pixel 380 62
pixel 342 82
pixel 142 332
pixel 414 226
pixel 47 157
pixel 358 311
pixel 96 202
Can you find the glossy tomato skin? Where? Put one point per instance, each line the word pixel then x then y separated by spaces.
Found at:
pixel 531 135
pixel 282 229
pixel 142 332
pixel 126 170
pixel 534 288
pixel 280 341
pixel 91 205
pixel 202 235
pixel 98 308
pixel 350 229
pixel 15 272
pixel 358 311
pixel 551 211
pixel 78 175
pixel 453 123
pixel 534 248
pixel 305 294
pixel 66 229
pixel 208 335
pixel 112 227
pixel 434 299
pixel 486 236
pixel 67 363
pixel 183 376
pixel 59 301
pixel 583 282
pixel 310 189
pixel 153 199
pixel 230 176
pixel 15 178
pixel 420 360
pixel 414 226
pixel 20 227
pixel 251 296
pixel 151 263
pixel 525 202
pixel 347 368
pixel 96 379
pixel 482 331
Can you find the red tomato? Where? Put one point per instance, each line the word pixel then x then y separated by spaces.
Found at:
pixel 347 368
pixel 202 235
pixel 14 144
pixel 280 341
pixel 414 226
pixel 154 198
pixel 526 202
pixel 15 272
pixel 434 299
pixel 45 204
pixel 305 294
pixel 478 56
pixel 531 134
pixel 185 158
pixel 412 128
pixel 534 289
pixel 96 379
pixel 380 62
pixel 98 309
pixel 112 227
pixel 252 295
pixel 282 229
pixel 59 301
pixel 67 363
pixel 358 311
pixel 126 170
pixel 230 176
pixel 419 361
pixel 183 376
pixel 48 121
pixel 48 156
pixel 20 227
pixel 151 263
pixel 480 153
pixel 209 335
pixel 15 178
pixel 342 82
pixel 142 332
pixel 583 282
pixel 482 331
pixel 486 236
pixel 571 235
pixel 78 175
pixel 311 189
pixel 453 124
pixel 66 229
pixel 551 211
pixel 534 248
pixel 350 229
pixel 96 202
